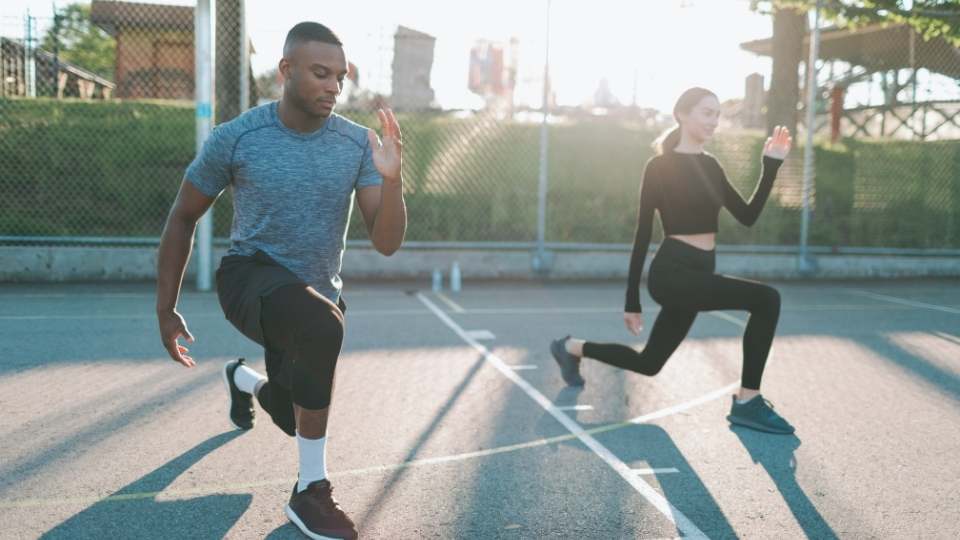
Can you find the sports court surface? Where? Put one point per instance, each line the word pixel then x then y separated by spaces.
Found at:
pixel 450 419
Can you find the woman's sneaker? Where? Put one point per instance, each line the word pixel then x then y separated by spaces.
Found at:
pixel 758 414
pixel 241 403
pixel 569 364
pixel 317 514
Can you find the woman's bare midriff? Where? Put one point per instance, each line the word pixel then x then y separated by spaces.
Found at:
pixel 704 241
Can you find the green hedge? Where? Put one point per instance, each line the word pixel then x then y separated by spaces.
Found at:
pixel 72 168
pixel 85 168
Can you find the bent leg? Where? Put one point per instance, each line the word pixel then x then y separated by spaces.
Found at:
pixel 668 332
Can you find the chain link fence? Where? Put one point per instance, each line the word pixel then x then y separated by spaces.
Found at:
pixel 97 124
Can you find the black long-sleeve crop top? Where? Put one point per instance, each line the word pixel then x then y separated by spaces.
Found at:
pixel 688 190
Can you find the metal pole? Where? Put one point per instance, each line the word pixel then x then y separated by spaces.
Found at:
pixel 806 264
pixel 203 92
pixel 29 59
pixel 540 263
pixel 244 59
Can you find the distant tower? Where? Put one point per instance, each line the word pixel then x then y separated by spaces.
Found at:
pixel 753 99
pixel 603 96
pixel 412 62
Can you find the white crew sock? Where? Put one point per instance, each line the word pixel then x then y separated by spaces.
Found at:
pixel 313 461
pixel 742 401
pixel 247 379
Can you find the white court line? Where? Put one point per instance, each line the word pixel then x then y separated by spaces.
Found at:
pixel 683 523
pixel 446 300
pixel 643 419
pixel 390 312
pixel 79 294
pixel 904 301
pixel 376 469
pixel 574 407
pixel 94 317
pixel 481 335
pixel 949 337
pixel 185 294
pixel 523 367
pixel 667 470
pixel 729 318
pixel 540 310
pixel 187 315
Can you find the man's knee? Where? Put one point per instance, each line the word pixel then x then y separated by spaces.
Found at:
pixel 320 337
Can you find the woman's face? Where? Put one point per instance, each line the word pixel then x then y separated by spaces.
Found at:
pixel 700 123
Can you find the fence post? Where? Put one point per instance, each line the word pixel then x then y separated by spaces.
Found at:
pixel 806 265
pixel 203 79
pixel 30 58
pixel 244 59
pixel 541 259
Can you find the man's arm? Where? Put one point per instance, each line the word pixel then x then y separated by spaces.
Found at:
pixel 385 215
pixel 384 211
pixel 176 244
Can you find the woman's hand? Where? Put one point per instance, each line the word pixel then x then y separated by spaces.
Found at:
pixel 634 322
pixel 778 145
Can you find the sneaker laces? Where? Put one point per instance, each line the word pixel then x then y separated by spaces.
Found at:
pixel 769 408
pixel 317 489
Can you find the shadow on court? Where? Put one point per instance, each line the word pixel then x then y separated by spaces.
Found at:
pixel 649 446
pixel 945 381
pixel 373 510
pixel 134 512
pixel 776 454
pixel 105 424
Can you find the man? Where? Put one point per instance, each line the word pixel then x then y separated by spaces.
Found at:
pixel 294 166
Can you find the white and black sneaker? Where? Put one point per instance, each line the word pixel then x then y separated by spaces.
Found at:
pixel 241 403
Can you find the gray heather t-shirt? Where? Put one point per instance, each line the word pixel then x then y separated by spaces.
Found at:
pixel 292 192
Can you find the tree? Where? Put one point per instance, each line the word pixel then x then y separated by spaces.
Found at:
pixel 789 27
pixel 76 40
pixel 930 18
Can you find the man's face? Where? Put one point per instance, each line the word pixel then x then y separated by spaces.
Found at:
pixel 313 74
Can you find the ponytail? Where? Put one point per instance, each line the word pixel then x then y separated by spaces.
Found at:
pixel 668 141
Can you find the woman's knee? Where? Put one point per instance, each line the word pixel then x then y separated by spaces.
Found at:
pixel 768 300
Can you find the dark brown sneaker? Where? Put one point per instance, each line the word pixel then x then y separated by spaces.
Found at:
pixel 317 514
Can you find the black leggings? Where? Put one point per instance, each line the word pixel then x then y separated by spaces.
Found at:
pixel 683 283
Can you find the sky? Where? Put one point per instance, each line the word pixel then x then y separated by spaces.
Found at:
pixel 663 45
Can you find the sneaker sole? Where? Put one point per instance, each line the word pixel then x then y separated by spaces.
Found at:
pixel 226 384
pixel 756 425
pixel 303 528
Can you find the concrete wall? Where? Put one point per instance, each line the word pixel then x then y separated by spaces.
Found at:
pixel 63 264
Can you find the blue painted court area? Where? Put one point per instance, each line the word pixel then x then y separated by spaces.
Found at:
pixel 450 419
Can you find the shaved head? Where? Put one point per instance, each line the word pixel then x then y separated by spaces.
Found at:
pixel 309 31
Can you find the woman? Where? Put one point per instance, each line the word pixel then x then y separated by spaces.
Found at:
pixel 688 187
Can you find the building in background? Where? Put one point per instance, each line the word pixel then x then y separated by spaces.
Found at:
pixel 48 75
pixel 493 72
pixel 604 97
pixel 154 48
pixel 412 63
pixel 154 52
